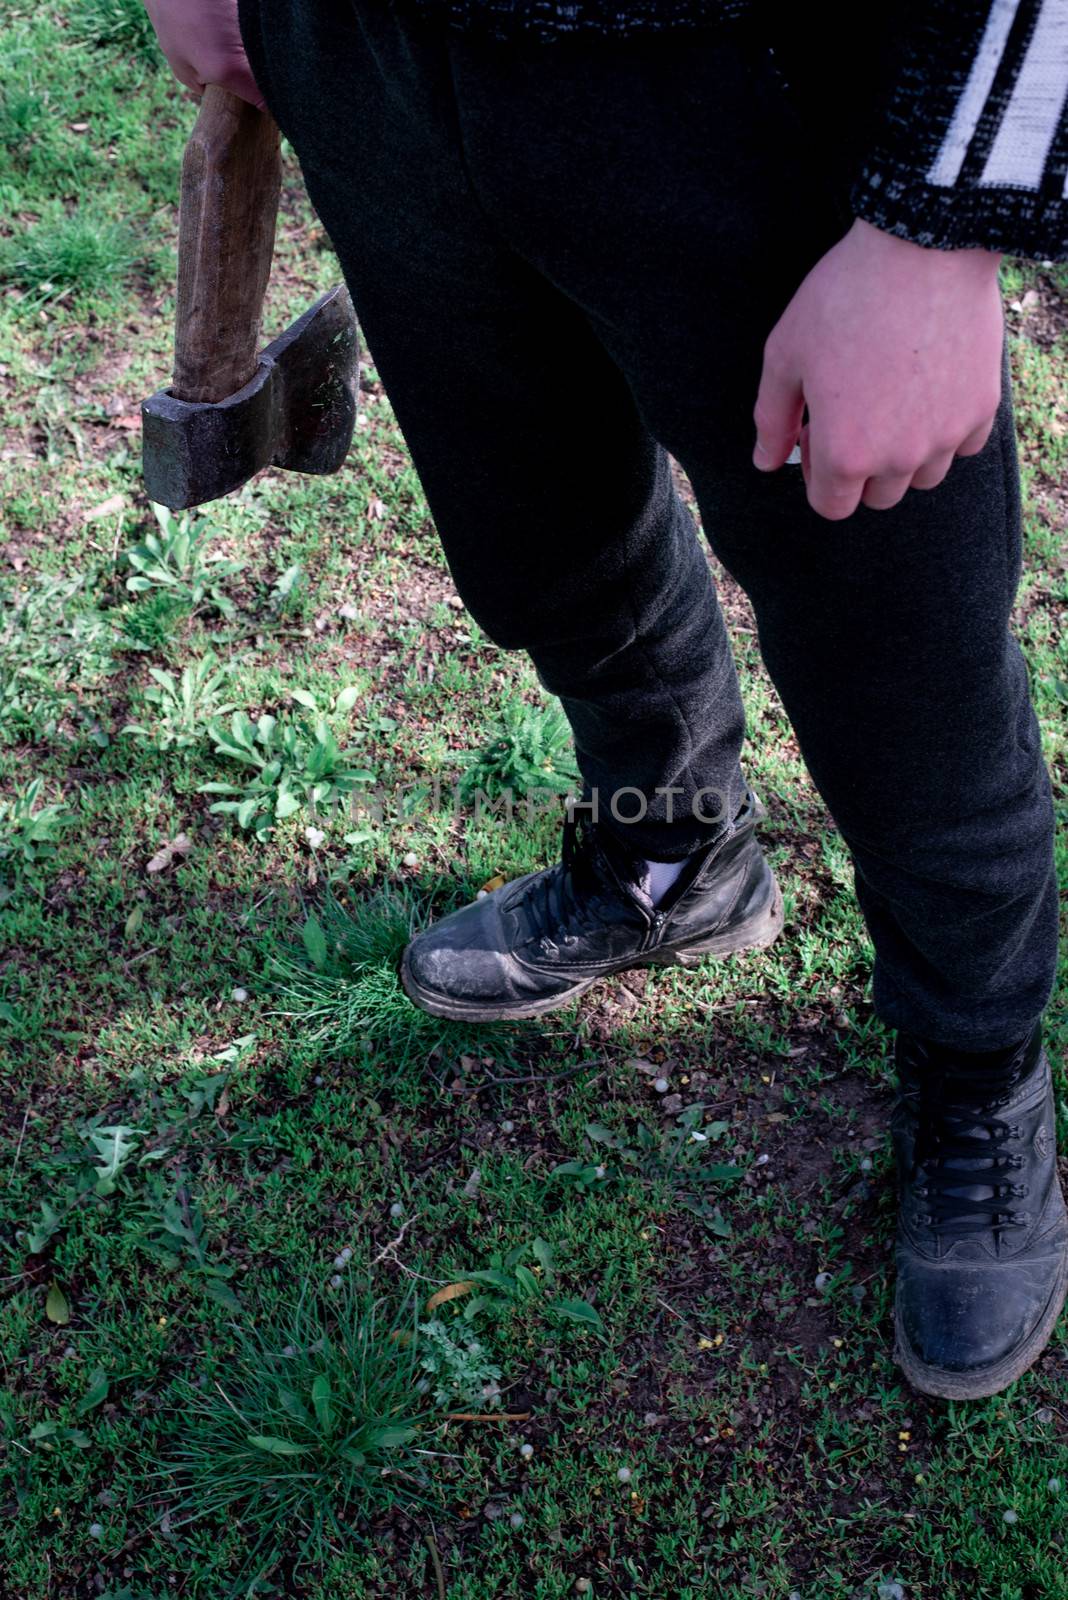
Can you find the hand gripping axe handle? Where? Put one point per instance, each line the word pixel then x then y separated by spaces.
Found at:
pixel 230 412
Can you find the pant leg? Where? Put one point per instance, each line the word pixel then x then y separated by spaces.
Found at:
pixel 664 187
pixel 554 504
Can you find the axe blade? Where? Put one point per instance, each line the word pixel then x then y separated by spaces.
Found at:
pixel 298 411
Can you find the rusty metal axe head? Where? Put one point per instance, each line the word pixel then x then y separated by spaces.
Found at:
pixel 230 412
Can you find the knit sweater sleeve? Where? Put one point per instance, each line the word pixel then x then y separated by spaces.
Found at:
pixel 969 146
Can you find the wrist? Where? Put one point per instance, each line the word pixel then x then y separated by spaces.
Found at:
pixel 972 261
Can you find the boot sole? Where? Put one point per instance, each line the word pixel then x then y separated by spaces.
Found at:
pixel 991 1380
pixel 759 930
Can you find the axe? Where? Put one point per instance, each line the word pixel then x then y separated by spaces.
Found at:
pixel 230 412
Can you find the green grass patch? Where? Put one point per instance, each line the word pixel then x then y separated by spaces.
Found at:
pixel 643 1248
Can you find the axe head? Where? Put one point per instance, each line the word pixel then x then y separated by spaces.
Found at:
pixel 298 410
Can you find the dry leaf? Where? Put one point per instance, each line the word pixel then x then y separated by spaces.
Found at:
pixel 106 508
pixel 496 882
pixel 451 1291
pixel 179 846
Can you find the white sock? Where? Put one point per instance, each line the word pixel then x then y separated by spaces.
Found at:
pixel 662 875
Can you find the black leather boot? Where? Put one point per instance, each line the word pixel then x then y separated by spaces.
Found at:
pixel 982 1245
pixel 540 941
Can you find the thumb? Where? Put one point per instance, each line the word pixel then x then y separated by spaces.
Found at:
pixel 780 406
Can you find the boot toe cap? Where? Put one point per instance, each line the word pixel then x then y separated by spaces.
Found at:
pixel 461 957
pixel 963 1317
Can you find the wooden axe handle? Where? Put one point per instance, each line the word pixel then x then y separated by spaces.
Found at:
pixel 231 177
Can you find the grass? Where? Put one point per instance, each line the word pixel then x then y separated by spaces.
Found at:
pixel 212 1087
pixel 65 251
pixel 120 24
pixel 314 1420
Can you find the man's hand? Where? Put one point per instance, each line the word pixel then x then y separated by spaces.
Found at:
pixel 202 43
pixel 896 352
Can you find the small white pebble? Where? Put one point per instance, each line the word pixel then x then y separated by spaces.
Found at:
pixel 318 1078
pixel 1054 1486
pixel 762 1161
pixel 583 1585
pixel 526 1451
pixel 346 1254
pixel 507 1127
pixel 600 1172
pixel 1009 1516
pixel 483 894
pixel 822 1281
pixel 661 1085
pixel 314 836
pixel 290 1350
pixel 335 1281
pixel 623 1474
pixel 516 1519
pixel 96 1530
pixel 339 1261
pixel 410 859
pixel 866 1164
pixel 239 996
pixel 1044 1415
pixel 422 1386
pixel 396 1210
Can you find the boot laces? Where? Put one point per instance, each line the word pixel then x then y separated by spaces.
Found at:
pixel 569 893
pixel 961 1146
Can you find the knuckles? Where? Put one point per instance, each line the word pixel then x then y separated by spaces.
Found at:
pixel 831 510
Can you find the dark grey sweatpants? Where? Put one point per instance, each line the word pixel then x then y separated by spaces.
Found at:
pixel 565 259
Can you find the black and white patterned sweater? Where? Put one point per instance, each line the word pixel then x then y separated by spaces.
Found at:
pixel 950 124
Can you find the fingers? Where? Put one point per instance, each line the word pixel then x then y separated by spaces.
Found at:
pixel 806 454
pixel 975 440
pixel 780 405
pixel 834 485
pixel 240 81
pixel 880 492
pixel 834 492
pixel 883 492
pixel 932 472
